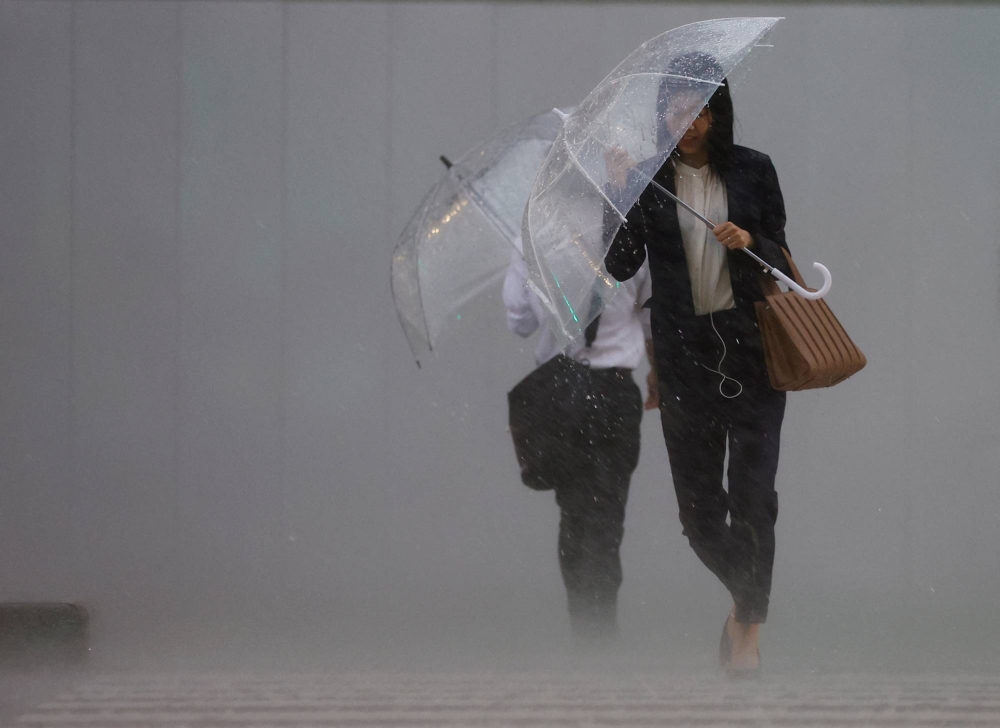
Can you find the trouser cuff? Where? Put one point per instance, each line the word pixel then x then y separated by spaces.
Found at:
pixel 746 614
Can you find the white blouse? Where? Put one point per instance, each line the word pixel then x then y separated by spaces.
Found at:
pixel 708 264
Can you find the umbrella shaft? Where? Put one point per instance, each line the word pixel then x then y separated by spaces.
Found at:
pixel 705 220
pixel 682 203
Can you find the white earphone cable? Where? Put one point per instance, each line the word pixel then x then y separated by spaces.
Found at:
pixel 719 370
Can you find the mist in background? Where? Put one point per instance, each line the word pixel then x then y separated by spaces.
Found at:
pixel 212 431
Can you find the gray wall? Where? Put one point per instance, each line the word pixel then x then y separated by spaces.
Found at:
pixel 207 407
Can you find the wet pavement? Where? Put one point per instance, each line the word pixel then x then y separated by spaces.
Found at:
pixel 346 699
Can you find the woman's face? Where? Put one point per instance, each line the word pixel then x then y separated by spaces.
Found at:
pixel 694 139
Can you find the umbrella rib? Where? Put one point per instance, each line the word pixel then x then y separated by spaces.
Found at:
pixel 590 179
pixel 420 297
pixel 659 74
pixel 488 213
pixel 621 90
pixel 590 136
pixel 607 109
pixel 597 187
pixel 604 146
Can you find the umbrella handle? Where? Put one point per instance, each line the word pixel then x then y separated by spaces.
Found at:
pixel 804 292
pixel 777 274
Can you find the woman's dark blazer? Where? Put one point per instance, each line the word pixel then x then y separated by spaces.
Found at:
pixel 651 228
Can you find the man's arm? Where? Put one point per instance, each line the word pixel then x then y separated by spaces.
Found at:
pixel 521 318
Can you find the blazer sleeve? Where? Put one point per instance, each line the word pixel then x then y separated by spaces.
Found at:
pixel 770 238
pixel 628 249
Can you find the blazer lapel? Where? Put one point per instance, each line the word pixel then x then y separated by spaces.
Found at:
pixel 673 257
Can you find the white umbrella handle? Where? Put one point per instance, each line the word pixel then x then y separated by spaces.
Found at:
pixel 775 273
pixel 805 292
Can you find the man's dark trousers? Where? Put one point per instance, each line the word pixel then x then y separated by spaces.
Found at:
pixel 592 491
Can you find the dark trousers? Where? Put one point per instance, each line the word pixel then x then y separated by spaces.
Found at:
pixel 592 493
pixel 698 424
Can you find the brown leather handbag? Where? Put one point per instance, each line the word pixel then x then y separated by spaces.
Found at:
pixel 804 344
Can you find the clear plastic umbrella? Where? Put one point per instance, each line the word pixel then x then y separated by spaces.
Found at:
pixel 638 114
pixel 460 239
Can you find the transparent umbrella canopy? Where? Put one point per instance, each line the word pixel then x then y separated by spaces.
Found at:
pixel 637 114
pixel 459 241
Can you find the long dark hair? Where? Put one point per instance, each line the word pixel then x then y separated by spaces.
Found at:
pixel 720 133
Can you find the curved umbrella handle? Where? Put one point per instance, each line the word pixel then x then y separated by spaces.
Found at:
pixel 777 274
pixel 805 293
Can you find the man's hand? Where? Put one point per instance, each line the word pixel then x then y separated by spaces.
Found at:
pixel 652 383
pixel 653 391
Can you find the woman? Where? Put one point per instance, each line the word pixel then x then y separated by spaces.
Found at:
pixel 709 359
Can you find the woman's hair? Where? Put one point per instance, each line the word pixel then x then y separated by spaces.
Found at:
pixel 720 134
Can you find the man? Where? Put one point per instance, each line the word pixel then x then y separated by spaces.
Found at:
pixel 589 460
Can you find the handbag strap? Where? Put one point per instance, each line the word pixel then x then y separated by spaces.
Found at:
pixel 770 286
